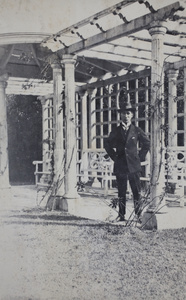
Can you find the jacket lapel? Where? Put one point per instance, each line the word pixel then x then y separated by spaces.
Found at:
pixel 131 132
pixel 123 134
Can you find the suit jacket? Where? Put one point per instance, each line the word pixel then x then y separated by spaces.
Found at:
pixel 123 148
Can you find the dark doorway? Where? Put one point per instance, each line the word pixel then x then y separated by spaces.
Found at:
pixel 24 115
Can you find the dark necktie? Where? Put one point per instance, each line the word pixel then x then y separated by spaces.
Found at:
pixel 125 127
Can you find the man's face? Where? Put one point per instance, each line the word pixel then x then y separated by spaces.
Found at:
pixel 126 117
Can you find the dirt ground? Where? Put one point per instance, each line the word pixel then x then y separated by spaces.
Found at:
pixel 55 256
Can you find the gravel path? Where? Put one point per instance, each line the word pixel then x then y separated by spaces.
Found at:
pixel 55 256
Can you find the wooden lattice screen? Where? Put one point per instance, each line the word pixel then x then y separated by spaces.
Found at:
pixel 181 109
pixel 103 115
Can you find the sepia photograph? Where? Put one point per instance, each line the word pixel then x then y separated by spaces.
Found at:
pixel 92 150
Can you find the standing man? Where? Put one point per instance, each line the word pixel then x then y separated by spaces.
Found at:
pixel 122 147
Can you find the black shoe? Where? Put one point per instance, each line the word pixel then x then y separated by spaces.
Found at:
pixel 119 219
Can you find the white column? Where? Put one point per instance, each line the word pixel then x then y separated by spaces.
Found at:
pixel 157 32
pixel 84 127
pixel 70 128
pixel 172 107
pixel 4 165
pixel 92 129
pixel 83 95
pixel 185 106
pixel 58 130
pixel 45 137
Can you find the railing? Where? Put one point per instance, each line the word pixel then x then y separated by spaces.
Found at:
pixel 97 165
pixel 43 171
pixel 175 173
pixel 39 172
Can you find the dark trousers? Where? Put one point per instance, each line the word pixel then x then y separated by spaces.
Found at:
pixel 134 180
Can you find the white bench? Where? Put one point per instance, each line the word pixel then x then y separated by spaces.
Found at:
pixel 96 164
pixel 175 174
pixel 42 178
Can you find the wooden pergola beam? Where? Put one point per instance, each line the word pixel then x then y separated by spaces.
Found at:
pixel 84 73
pixel 119 31
pixel 83 59
pixel 169 50
pixel 28 86
pixel 96 16
pixel 113 80
pixel 171 43
pixel 126 59
pixel 176 65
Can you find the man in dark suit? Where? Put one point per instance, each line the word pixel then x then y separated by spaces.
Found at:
pixel 122 146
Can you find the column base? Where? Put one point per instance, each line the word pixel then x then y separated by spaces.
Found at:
pixel 75 206
pixel 70 205
pixel 149 221
pixel 57 203
pixel 173 219
pixel 155 218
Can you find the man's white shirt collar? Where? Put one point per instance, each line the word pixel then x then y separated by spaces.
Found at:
pixel 125 126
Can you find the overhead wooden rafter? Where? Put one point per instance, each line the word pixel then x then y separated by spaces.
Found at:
pixel 123 58
pixel 145 46
pixel 127 45
pixel 176 65
pixel 84 73
pixel 173 42
pixel 94 17
pixel 115 80
pixel 119 31
pixel 109 67
pixel 28 86
pixel 129 52
pixel 97 65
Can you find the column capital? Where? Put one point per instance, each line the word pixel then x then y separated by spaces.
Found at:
pixel 82 93
pixel 56 65
pixel 42 99
pixel 91 91
pixel 157 27
pixel 172 73
pixel 68 59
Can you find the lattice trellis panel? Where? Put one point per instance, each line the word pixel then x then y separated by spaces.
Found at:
pixel 181 108
pixel 103 108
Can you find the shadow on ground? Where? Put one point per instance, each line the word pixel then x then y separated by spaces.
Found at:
pixel 41 217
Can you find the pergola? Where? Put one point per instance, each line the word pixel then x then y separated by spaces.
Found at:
pixel 118 43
